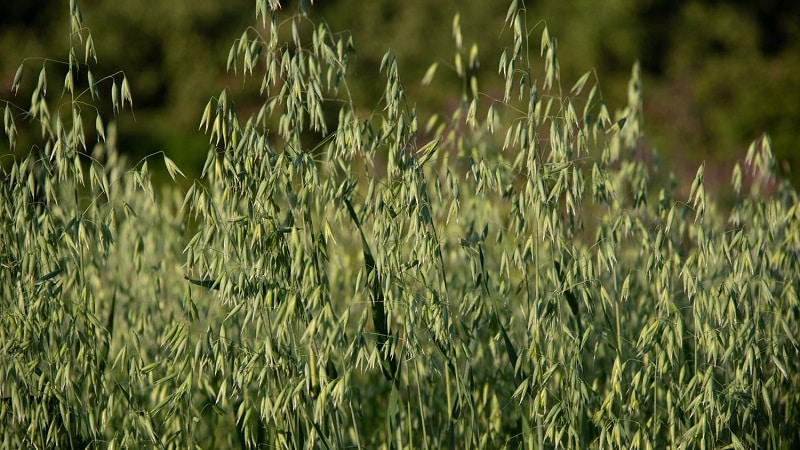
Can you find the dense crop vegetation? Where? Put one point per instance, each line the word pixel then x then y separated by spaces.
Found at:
pixel 347 275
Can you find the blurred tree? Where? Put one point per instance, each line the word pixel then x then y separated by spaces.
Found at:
pixel 717 74
pixel 172 52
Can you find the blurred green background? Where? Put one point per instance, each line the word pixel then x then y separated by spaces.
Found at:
pixel 717 74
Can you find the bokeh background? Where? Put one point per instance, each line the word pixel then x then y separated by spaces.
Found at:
pixel 717 74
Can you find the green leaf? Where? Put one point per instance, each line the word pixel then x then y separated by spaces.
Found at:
pixel 208 284
pixel 49 275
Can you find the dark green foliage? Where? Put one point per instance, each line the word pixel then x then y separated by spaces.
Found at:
pixel 709 89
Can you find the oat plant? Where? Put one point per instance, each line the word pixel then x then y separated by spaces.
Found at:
pixel 511 273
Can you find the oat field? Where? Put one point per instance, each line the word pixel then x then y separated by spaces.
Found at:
pixel 511 273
